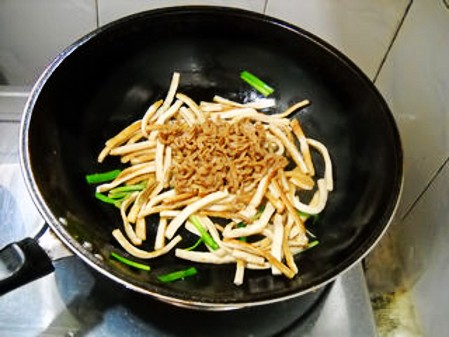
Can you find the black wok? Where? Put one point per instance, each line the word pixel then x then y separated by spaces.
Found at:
pixel 108 78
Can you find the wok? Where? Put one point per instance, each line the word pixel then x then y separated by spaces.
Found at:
pixel 108 78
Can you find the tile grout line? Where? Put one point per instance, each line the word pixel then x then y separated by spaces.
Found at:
pixel 382 63
pixel 426 188
pixel 97 14
pixel 393 40
pixel 265 6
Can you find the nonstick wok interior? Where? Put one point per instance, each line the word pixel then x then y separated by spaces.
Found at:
pixel 107 80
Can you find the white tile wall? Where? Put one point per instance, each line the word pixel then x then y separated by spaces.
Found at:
pixel 33 32
pixel 109 10
pixel 415 82
pixel 361 29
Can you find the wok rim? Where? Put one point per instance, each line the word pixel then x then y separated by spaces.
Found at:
pixel 86 256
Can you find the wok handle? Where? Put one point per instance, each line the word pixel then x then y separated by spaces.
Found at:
pixel 22 262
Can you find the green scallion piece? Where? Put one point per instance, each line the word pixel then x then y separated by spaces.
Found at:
pixel 195 245
pixel 307 216
pixel 96 178
pixel 105 198
pixel 309 246
pixel 259 212
pixel 312 244
pixel 180 274
pixel 241 225
pixel 128 188
pixel 130 263
pixel 208 240
pixel 256 83
pixel 303 214
pixel 119 195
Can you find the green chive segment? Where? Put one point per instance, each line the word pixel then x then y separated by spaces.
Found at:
pixel 124 260
pixel 256 83
pixel 180 274
pixel 241 225
pixel 128 188
pixel 306 216
pixel 208 240
pixel 195 245
pixel 106 199
pixel 96 178
pixel 312 244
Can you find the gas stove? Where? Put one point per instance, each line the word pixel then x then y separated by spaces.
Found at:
pixel 77 301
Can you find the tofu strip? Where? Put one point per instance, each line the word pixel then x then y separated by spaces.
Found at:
pixel 203 257
pixel 150 112
pixel 190 209
pixel 328 176
pixel 322 190
pixel 291 148
pixel 276 246
pixel 254 228
pixel 143 254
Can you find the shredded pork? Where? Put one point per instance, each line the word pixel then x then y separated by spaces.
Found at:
pixel 219 155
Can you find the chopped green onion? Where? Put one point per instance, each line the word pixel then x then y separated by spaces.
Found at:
pixel 105 199
pixel 256 83
pixel 307 216
pixel 309 246
pixel 303 214
pixel 196 244
pixel 96 178
pixel 241 225
pixel 312 244
pixel 130 263
pixel 180 274
pixel 128 188
pixel 118 195
pixel 259 212
pixel 122 192
pixel 208 240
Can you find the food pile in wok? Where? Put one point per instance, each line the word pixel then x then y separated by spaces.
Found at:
pixel 243 181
